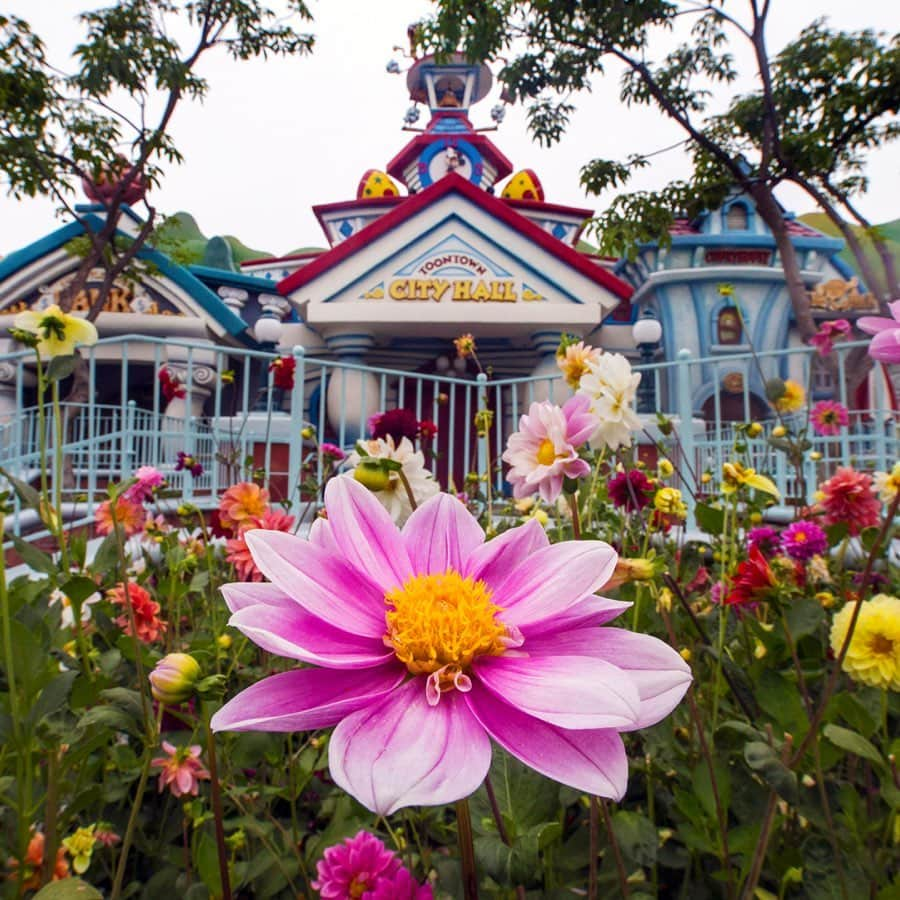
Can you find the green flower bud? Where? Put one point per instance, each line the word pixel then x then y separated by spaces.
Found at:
pixel 174 678
pixel 371 474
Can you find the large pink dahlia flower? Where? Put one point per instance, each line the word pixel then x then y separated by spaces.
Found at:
pixel 424 643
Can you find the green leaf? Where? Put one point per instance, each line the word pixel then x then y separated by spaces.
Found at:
pixel 61 367
pixel 805 617
pixel 853 743
pixel 703 787
pixel 79 588
pixel 52 697
pixel 636 836
pixel 28 496
pixel 765 762
pixel 34 558
pixel 710 518
pixel 68 889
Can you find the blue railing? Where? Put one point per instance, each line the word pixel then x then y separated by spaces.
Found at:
pixel 230 422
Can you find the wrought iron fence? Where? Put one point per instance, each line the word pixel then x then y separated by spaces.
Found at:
pixel 231 417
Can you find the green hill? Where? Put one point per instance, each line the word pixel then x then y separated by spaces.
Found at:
pixel 180 238
pixel 889 230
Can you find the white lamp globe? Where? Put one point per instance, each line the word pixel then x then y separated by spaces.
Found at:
pixel 646 330
pixel 267 330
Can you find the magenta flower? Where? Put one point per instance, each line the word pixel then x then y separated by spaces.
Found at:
pixel 803 540
pixel 767 538
pixel 544 450
pixel 188 463
pixel 828 417
pixel 148 480
pixel 421 645
pixel 353 868
pixel 631 490
pixel 823 340
pixel 885 346
pixel 401 887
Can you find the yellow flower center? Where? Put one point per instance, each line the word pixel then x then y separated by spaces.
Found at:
pixel 879 645
pixel 359 885
pixel 546 454
pixel 800 537
pixel 438 624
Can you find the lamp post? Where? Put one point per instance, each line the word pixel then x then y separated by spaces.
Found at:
pixel 647 333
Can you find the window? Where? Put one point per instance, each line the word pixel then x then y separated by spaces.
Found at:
pixel 729 329
pixel 736 218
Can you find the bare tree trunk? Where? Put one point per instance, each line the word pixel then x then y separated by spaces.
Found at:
pixel 772 215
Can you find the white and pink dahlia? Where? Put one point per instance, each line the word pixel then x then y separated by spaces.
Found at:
pixel 423 644
pixel 544 450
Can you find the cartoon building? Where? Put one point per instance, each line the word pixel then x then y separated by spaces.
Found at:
pixel 443 240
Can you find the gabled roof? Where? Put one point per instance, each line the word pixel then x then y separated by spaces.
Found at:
pixel 491 205
pixel 208 300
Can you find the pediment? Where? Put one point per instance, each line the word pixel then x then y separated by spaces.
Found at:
pixel 463 258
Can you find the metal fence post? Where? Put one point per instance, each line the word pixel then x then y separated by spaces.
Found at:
pixel 686 431
pixel 295 445
pixel 128 438
pixel 483 436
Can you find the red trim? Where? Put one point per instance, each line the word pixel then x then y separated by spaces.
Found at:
pixel 498 209
pixel 549 207
pixel 397 166
pixel 349 205
pixel 307 254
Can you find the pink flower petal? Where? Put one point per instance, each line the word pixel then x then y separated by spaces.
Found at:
pixel 441 534
pixel 506 551
pixel 661 676
pixel 403 752
pixel 592 760
pixel 875 324
pixel 551 580
pixel 569 691
pixel 592 610
pixel 885 346
pixel 294 632
pixel 305 699
pixel 320 535
pixel 363 529
pixel 241 594
pixel 322 582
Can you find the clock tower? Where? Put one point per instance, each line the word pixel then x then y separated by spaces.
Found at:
pixel 449 143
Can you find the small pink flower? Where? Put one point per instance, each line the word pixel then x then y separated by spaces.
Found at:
pixel 823 340
pixel 181 769
pixel 331 452
pixel 148 480
pixel 544 450
pixel 803 540
pixel 885 346
pixel 828 417
pixel 353 868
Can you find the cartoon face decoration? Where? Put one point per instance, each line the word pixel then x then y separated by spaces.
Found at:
pixel 443 157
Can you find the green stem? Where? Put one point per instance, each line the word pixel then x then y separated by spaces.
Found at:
pixel 50 818
pixel 576 522
pixel 617 853
pixel 216 793
pixel 408 488
pixel 59 529
pixel 466 850
pixel 149 747
pixel 593 846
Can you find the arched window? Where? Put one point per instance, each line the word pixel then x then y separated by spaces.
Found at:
pixel 728 327
pixel 736 219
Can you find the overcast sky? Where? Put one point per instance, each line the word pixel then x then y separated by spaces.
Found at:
pixel 276 137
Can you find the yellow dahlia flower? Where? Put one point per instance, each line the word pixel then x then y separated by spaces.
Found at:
pixel 792 399
pixel 874 654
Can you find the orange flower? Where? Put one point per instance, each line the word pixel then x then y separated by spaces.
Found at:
pixel 237 551
pixel 129 515
pixel 241 502
pixel 146 612
pixel 465 345
pixel 34 859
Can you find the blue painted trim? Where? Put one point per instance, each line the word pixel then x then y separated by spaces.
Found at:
pixel 238 279
pixel 211 303
pixel 451 219
pixel 756 241
pixel 19 259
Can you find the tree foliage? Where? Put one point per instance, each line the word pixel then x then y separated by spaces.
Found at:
pixel 553 48
pixel 109 119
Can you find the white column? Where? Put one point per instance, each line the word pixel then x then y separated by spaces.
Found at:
pixel 352 396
